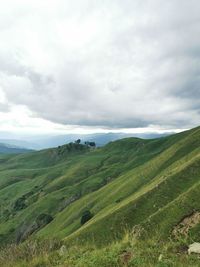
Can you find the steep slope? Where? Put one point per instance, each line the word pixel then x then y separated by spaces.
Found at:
pixel 154 183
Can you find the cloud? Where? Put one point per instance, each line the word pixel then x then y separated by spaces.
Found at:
pixel 118 64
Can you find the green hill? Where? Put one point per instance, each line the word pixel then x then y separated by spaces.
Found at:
pixel 152 184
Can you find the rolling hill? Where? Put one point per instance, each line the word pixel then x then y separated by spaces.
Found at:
pixel 152 184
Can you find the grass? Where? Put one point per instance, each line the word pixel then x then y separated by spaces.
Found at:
pixel 130 251
pixel 153 183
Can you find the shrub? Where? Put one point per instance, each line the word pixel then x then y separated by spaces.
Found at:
pixel 43 219
pixel 20 204
pixel 87 215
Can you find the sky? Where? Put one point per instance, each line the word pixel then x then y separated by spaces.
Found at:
pixel 96 65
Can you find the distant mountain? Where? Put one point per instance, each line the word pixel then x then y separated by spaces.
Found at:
pixel 9 149
pixel 102 139
pixel 38 142
pixel 19 143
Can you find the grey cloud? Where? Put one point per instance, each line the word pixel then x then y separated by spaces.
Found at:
pixel 137 63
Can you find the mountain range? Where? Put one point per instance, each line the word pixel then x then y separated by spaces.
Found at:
pixel 38 142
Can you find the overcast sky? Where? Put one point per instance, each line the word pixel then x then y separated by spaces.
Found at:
pixel 95 65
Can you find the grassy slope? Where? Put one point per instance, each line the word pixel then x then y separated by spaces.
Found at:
pixel 126 252
pixel 132 181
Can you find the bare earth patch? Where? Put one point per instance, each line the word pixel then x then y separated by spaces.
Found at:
pixel 186 224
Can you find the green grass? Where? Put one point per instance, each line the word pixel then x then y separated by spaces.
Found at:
pixel 152 183
pixel 130 251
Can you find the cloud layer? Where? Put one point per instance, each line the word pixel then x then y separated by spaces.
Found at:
pixel 115 64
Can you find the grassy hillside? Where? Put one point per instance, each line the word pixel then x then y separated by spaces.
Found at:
pixel 127 252
pixel 152 184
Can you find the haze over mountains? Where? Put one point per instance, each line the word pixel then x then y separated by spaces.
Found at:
pixel 6 148
pixel 38 142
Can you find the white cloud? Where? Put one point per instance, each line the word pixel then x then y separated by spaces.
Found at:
pixel 106 64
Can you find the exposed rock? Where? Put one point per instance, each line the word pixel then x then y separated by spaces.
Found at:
pixel 68 201
pixel 186 224
pixel 137 231
pixel 160 257
pixel 62 250
pixel 28 229
pixel 194 248
pixel 125 257
pixel 24 231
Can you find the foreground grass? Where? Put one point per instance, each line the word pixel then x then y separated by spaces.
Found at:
pixel 128 252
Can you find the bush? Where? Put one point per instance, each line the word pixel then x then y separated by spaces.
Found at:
pixel 87 215
pixel 43 219
pixel 19 204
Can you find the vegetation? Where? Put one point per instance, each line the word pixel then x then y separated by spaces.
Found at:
pixel 87 215
pixel 90 144
pixel 127 252
pixel 152 185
